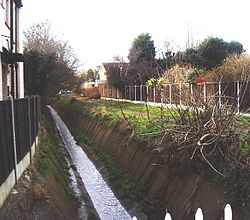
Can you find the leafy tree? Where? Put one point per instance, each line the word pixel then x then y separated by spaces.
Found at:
pixel 142 60
pixel 193 57
pixel 234 47
pixel 88 76
pixel 91 75
pixel 211 52
pixel 142 49
pixel 50 63
pixel 114 77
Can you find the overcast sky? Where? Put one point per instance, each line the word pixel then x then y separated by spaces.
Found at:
pixel 98 30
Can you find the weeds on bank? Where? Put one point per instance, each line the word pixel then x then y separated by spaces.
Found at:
pixel 50 159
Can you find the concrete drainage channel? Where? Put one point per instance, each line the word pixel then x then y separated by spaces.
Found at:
pixel 106 204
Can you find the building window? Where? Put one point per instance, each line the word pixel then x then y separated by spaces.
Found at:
pixel 7 13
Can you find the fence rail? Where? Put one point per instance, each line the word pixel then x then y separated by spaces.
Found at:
pixel 236 93
pixel 19 123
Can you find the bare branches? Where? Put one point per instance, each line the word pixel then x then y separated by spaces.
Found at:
pixel 206 133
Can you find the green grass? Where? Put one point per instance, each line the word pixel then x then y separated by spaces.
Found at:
pixel 110 114
pixel 245 141
pixel 242 123
pixel 142 108
pixel 136 115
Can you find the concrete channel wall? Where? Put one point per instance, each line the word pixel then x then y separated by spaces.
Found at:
pixel 181 193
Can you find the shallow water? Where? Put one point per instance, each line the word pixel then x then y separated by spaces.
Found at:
pixel 106 204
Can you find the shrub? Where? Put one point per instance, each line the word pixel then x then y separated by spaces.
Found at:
pixel 231 68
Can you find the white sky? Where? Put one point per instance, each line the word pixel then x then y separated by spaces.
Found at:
pixel 98 30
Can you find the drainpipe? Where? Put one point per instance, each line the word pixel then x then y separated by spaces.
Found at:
pixel 12 72
pixel 16 48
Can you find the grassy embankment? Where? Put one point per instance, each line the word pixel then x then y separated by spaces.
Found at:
pixel 179 135
pixel 50 163
pixel 146 121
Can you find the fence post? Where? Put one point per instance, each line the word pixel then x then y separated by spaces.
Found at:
pixel 135 91
pixel 164 93
pixel 219 93
pixel 14 135
pixel 180 92
pixel 205 92
pixel 38 112
pixel 125 92
pixel 29 129
pixel 141 93
pixel 170 93
pixel 34 120
pixel 192 91
pixel 154 94
pixel 161 93
pixel 199 214
pixel 238 96
pixel 228 215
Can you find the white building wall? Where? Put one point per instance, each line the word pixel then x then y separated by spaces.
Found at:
pixel 102 73
pixel 4 42
pixel 19 46
pixel 5 80
pixel 5 31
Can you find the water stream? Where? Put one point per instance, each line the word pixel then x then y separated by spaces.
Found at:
pixel 106 204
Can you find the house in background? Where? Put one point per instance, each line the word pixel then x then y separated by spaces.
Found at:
pixel 100 86
pixel 11 58
pixel 110 68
